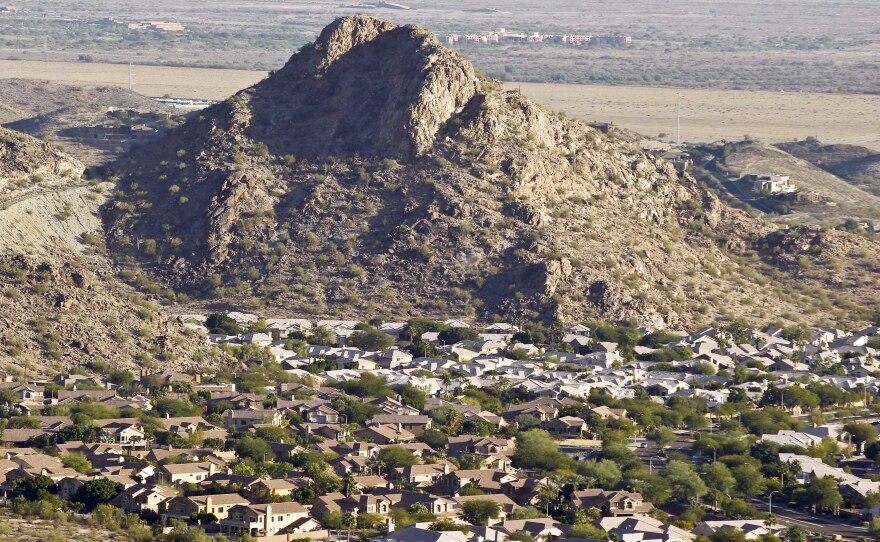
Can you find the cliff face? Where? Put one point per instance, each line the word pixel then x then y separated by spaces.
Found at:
pixel 376 173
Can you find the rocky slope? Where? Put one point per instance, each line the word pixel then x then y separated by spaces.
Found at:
pixel 55 316
pixel 60 304
pixel 378 173
pixel 29 164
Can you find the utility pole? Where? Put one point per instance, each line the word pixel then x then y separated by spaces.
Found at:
pixel 678 122
pixel 129 75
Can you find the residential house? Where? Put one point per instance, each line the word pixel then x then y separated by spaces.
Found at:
pixel 384 434
pixel 240 420
pixel 126 432
pixel 185 473
pixel 754 529
pixel 546 529
pixel 414 424
pixel 142 498
pixel 565 427
pixel 423 475
pixel 262 519
pixel 420 534
pixel 644 528
pixel 611 503
pixel 219 505
pixel 490 481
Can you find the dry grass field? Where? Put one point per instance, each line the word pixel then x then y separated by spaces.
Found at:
pixel 707 115
pixel 202 83
pixel 712 115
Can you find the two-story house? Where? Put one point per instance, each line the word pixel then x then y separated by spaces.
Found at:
pixel 611 503
pixel 186 507
pixel 262 519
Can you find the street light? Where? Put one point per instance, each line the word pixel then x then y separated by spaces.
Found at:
pixel 651 464
pixel 714 458
pixel 770 502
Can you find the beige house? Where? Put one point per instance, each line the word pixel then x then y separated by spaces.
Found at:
pixel 263 519
pixel 144 498
pixel 240 420
pixel 185 473
pixel 611 503
pixel 218 505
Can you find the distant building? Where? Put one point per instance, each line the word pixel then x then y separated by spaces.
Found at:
pixel 577 39
pixel 157 25
pixel 617 39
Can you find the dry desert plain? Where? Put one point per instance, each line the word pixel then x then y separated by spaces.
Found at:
pixel 706 115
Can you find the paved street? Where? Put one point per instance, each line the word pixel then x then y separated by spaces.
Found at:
pixel 825 525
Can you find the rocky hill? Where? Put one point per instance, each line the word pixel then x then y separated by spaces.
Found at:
pixel 377 172
pixel 60 304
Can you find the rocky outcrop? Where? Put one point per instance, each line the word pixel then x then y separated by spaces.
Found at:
pixel 27 163
pixel 365 86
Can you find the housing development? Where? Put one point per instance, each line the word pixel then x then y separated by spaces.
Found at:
pixel 444 431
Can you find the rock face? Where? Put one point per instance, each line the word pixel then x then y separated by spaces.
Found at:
pixel 364 86
pixel 377 173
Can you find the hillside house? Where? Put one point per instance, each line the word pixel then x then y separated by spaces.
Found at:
pixel 144 498
pixel 770 183
pixel 185 473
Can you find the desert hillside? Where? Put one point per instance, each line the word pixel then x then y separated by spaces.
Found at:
pixel 61 304
pixel 28 165
pixel 857 165
pixel 377 172
pixel 62 114
pixel 850 201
